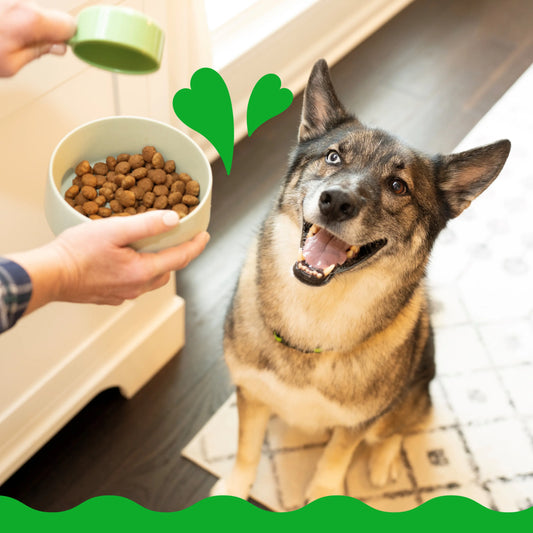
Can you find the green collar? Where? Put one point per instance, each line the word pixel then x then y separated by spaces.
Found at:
pixel 279 338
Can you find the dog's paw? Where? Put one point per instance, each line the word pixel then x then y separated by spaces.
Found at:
pixel 315 491
pixel 232 486
pixel 382 474
pixel 384 465
pixel 219 488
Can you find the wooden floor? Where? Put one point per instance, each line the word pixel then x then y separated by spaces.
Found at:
pixel 429 75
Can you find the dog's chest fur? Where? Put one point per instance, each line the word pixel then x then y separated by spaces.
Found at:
pixel 352 380
pixel 303 407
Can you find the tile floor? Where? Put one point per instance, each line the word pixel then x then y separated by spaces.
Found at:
pixel 479 442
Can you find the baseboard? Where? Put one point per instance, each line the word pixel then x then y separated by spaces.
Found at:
pixel 126 355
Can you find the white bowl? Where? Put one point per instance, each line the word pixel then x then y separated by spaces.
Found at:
pixel 98 139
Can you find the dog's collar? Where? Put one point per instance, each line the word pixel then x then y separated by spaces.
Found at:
pixel 280 339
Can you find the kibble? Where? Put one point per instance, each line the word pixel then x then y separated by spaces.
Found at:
pixel 123 167
pixel 131 183
pixel 88 192
pixel 80 199
pixel 116 206
pixel 138 192
pixel 100 168
pixel 88 179
pixel 148 199
pixel 128 182
pixel 178 186
pixel 107 193
pixel 161 202
pixel 160 190
pixel 136 161
pixel 100 180
pixel 111 162
pixel 139 173
pixel 174 198
pixel 83 167
pixel 157 175
pixel 146 184
pixel 169 166
pixel 117 180
pixel 100 201
pixel 190 200
pixel 71 192
pixel 181 209
pixel 148 153
pixel 158 160
pixel 90 208
pixel 192 188
pixel 126 198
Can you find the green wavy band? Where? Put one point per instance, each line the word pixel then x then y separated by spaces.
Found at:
pixel 448 514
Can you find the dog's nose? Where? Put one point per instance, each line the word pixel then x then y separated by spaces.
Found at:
pixel 337 204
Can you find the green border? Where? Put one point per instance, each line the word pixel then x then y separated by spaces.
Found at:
pixel 448 514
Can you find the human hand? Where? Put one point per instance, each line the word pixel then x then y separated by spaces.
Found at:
pixel 92 262
pixel 27 31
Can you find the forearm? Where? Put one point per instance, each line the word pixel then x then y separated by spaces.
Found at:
pixel 93 262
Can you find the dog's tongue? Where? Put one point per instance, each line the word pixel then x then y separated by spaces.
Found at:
pixel 323 249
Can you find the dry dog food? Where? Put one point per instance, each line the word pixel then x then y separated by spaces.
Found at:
pixel 130 184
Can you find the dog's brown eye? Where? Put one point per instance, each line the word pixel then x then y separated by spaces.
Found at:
pixel 333 157
pixel 398 186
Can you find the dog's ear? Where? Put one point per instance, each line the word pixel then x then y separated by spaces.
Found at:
pixel 467 174
pixel 321 107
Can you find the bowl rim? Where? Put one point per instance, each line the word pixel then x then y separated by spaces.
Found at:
pixel 123 10
pixel 57 193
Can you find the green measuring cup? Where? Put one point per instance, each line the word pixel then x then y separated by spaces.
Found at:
pixel 118 39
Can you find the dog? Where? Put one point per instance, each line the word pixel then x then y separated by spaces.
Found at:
pixel 329 326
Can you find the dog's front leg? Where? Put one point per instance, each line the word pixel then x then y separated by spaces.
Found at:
pixel 253 420
pixel 331 468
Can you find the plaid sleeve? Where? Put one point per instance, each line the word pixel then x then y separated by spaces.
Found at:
pixel 15 292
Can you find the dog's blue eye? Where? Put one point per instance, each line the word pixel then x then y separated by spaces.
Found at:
pixel 333 157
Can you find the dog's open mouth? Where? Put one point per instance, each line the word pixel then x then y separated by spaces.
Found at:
pixel 322 255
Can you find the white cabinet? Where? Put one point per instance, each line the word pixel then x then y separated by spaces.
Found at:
pixel 57 359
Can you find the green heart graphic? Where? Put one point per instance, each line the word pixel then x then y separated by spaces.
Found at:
pixel 206 108
pixel 267 100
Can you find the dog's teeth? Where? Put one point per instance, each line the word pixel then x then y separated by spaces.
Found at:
pixel 329 270
pixel 313 230
pixel 352 252
pixel 319 275
pixel 301 256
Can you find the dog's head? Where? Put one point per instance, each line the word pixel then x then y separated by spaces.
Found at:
pixel 361 195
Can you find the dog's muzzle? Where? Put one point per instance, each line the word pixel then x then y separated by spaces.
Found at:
pixel 323 255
